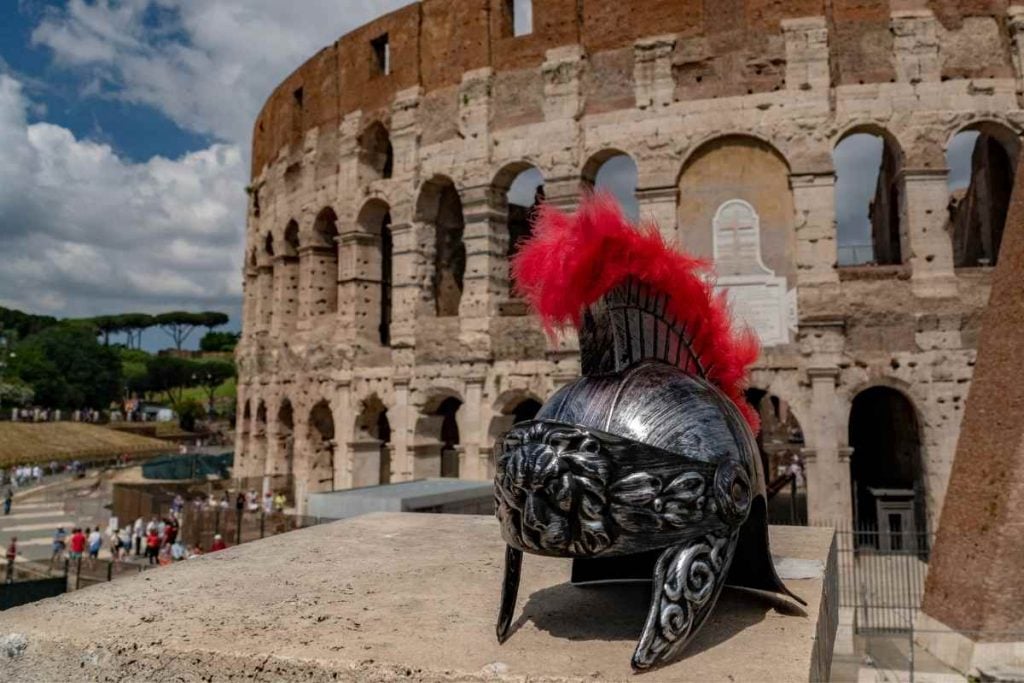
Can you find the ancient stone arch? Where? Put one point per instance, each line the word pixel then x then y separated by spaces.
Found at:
pixel 439 212
pixel 887 471
pixel 376 155
pixel 321 264
pixel 977 211
pixel 369 258
pixel 370 451
pixel 321 446
pixel 437 448
pixel 884 210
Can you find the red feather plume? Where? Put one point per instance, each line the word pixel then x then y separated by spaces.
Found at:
pixel 571 260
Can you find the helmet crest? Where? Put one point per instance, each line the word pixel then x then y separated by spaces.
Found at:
pixel 661 301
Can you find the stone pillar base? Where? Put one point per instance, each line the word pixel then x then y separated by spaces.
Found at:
pixel 971 658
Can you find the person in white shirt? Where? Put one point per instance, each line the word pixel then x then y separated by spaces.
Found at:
pixel 138 530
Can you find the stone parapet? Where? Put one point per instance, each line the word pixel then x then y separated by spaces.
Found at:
pixel 413 597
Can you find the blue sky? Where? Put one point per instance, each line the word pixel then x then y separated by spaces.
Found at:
pixel 125 130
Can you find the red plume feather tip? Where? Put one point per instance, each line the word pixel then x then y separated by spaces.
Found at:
pixel 571 260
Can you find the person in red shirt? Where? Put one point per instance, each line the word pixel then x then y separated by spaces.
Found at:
pixel 218 543
pixel 152 546
pixel 77 544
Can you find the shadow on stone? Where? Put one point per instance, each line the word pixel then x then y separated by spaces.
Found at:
pixel 617 612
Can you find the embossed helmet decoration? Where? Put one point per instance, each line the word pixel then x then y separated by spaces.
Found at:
pixel 646 467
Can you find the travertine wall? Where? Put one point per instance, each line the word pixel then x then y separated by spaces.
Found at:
pixel 686 90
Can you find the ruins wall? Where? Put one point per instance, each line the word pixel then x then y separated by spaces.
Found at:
pixel 467 103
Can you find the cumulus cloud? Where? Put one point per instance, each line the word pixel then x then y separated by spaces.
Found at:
pixel 209 66
pixel 84 231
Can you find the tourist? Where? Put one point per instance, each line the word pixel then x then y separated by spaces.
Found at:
pixel 225 501
pixel 58 545
pixel 152 546
pixel 279 501
pixel 138 531
pixel 8 499
pixel 218 543
pixel 178 504
pixel 254 501
pixel 170 531
pixel 124 538
pixel 77 544
pixel 240 503
pixel 195 552
pixel 95 541
pixel 268 503
pixel 12 555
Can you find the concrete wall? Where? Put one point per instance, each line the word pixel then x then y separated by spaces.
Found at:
pixel 753 99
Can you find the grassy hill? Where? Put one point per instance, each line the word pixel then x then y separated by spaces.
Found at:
pixel 24 443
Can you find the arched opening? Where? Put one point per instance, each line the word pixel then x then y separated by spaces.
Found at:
pixel 321 449
pixel 982 166
pixel 525 410
pixel 265 281
pixel 286 278
pixel 376 156
pixel 780 442
pixel 869 196
pixel 440 207
pixel 449 437
pixel 735 206
pixel 285 439
pixel 615 172
pixel 521 186
pixel 374 258
pixel 323 264
pixel 268 244
pixel 371 451
pixel 886 476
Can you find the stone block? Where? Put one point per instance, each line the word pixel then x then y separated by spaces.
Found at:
pixel 408 596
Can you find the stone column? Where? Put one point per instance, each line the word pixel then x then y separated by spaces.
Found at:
pixel 485 261
pixel 916 46
pixel 320 263
pixel 264 295
pixel 359 270
pixel 1015 24
pixel 807 66
pixel 563 96
pixel 814 205
pixel 405 288
pixel 305 295
pixel 927 243
pixel 249 306
pixel 563 191
pixel 344 434
pixel 402 423
pixel 286 285
pixel 659 204
pixel 653 82
pixel 469 418
pixel 825 501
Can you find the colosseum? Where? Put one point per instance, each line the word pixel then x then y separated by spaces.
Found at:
pixel 394 172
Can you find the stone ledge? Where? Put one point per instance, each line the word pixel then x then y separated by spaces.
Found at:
pixel 394 596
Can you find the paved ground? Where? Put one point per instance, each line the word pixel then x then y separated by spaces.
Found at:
pixel 62 502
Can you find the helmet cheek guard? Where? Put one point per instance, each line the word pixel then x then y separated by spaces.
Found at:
pixel 646 467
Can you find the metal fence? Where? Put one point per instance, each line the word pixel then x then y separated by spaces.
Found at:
pixel 198 527
pixel 881 576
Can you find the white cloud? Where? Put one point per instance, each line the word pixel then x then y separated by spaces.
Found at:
pixel 83 231
pixel 209 66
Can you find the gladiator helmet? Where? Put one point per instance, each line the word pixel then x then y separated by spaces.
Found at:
pixel 645 467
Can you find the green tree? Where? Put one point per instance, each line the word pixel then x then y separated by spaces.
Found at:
pixel 172 375
pixel 15 392
pixel 135 372
pixel 68 368
pixel 210 374
pixel 219 341
pixel 133 325
pixel 179 324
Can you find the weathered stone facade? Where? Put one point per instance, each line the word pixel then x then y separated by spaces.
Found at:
pixel 358 331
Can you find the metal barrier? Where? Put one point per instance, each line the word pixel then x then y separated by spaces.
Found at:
pixel 198 527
